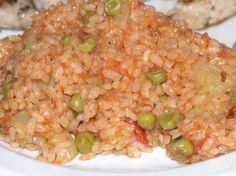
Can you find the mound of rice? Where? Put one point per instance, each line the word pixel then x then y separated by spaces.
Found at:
pixel 40 74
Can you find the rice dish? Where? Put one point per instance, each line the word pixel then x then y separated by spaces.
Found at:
pixel 115 76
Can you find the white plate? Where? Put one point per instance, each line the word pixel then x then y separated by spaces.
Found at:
pixel 23 163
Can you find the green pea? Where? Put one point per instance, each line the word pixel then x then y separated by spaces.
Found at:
pixel 1 130
pixel 30 41
pixel 9 85
pixel 84 142
pixel 52 82
pixel 233 99
pixel 76 103
pixel 168 119
pixel 86 17
pixel 65 40
pixel 88 45
pixel 164 98
pixel 181 147
pixel 147 120
pixel 112 7
pixel 157 77
pixel 1 94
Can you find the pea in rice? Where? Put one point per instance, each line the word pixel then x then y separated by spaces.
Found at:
pixel 99 77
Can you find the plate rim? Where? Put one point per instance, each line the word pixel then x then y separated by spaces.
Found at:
pixel 203 168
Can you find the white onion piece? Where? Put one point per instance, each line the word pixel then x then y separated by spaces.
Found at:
pixel 122 18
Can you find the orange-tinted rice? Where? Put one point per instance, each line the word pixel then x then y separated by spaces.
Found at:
pixel 201 78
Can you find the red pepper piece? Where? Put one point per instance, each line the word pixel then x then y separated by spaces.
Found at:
pixel 4 119
pixel 139 133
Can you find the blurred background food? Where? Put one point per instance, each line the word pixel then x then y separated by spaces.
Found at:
pixel 198 14
pixel 195 14
pixel 17 14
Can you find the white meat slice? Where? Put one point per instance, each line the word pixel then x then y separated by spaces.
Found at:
pixel 42 5
pixel 16 15
pixel 198 14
